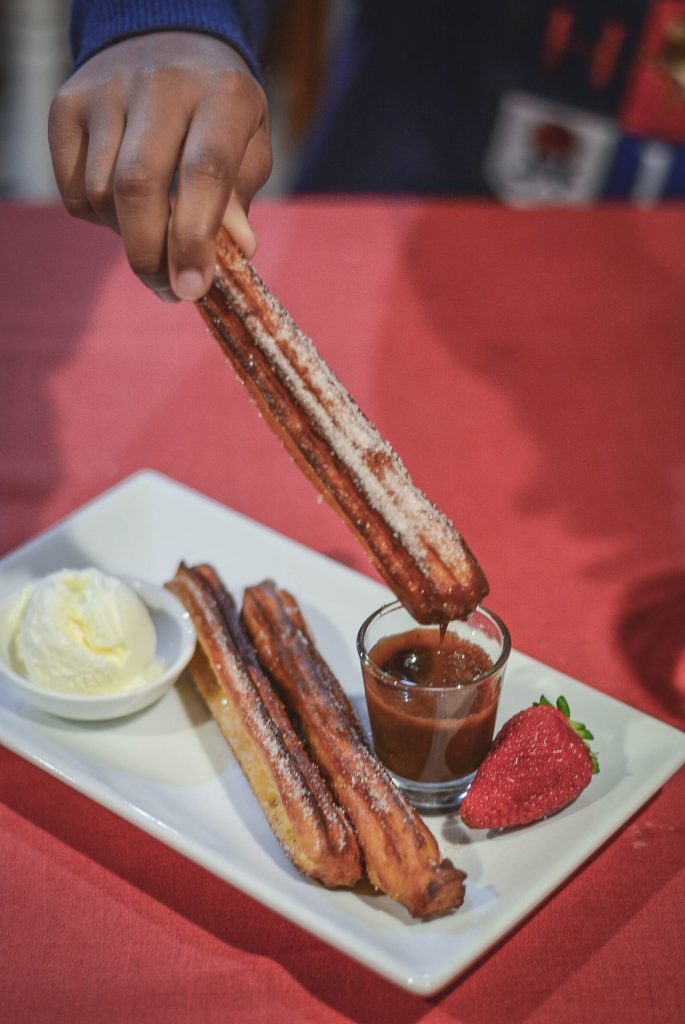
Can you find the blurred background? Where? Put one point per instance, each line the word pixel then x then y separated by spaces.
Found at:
pixel 34 60
pixel 564 103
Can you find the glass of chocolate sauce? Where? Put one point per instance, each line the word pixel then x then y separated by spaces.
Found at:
pixel 432 693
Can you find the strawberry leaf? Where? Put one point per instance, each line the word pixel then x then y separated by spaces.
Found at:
pixel 579 727
pixel 562 705
pixel 543 700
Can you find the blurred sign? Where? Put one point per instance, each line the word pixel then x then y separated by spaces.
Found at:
pixel 542 152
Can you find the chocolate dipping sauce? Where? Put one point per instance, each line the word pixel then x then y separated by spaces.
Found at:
pixel 441 728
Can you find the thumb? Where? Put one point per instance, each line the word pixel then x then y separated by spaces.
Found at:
pixel 238 226
pixel 254 172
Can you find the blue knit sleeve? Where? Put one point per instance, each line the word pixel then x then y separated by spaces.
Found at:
pixel 96 24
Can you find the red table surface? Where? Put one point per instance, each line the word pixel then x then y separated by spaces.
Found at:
pixel 530 368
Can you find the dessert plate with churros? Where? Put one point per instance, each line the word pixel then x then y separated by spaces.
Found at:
pixel 170 771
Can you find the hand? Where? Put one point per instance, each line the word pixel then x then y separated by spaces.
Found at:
pixel 137 113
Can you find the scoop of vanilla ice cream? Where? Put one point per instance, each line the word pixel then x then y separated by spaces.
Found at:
pixel 83 632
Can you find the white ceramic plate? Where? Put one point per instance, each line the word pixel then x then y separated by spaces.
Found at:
pixel 168 770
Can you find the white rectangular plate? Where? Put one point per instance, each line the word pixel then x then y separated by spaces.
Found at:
pixel 168 770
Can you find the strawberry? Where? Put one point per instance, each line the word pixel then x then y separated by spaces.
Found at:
pixel 538 763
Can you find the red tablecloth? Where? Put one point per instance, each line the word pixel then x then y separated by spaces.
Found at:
pixel 530 369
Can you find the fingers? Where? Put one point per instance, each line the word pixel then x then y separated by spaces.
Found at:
pixel 254 172
pixel 114 165
pixel 142 179
pixel 69 150
pixel 209 175
pixel 136 113
pixel 84 150
pixel 256 165
pixel 238 226
pixel 105 133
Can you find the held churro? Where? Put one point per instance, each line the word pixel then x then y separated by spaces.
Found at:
pixel 416 548
pixel 308 823
pixel 400 853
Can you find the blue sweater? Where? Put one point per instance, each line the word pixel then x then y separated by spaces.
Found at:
pixel 444 97
pixel 96 24
pixel 394 117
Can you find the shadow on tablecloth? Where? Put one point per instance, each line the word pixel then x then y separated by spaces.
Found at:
pixel 48 292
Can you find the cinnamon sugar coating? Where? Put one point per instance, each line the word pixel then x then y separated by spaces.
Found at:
pixel 414 546
pixel 301 811
pixel 400 853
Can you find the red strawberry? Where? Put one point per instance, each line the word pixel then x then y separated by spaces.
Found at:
pixel 538 763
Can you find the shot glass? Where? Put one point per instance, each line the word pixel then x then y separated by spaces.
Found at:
pixel 432 694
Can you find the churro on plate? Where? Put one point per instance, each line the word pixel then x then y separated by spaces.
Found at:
pixel 301 811
pixel 400 853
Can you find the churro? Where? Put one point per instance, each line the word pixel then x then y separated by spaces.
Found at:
pixel 400 853
pixel 414 546
pixel 301 811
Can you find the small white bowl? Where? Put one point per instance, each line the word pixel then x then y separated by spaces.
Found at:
pixel 175 646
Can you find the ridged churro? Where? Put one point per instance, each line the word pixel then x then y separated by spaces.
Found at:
pixel 401 855
pixel 414 546
pixel 303 815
